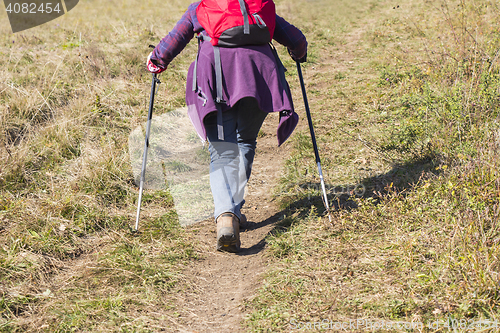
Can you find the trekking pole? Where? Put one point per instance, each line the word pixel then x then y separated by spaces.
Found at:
pixel 146 146
pixel 316 153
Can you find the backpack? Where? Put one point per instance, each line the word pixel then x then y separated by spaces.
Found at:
pixel 233 23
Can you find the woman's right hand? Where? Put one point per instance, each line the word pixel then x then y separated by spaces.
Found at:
pixel 303 59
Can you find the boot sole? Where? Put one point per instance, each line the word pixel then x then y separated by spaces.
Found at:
pixel 228 243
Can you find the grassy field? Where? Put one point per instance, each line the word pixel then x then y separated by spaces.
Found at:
pixel 408 130
pixel 72 91
pixel 405 106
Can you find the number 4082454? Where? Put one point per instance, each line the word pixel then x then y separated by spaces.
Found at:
pixel 32 8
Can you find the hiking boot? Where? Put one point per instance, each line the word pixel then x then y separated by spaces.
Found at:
pixel 243 222
pixel 228 233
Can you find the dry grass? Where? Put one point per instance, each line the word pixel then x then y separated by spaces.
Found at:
pixel 71 91
pixel 414 121
pixel 402 110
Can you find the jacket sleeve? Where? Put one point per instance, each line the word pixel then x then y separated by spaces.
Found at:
pixel 291 37
pixel 177 39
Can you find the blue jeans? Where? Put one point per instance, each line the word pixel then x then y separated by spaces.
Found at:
pixel 231 159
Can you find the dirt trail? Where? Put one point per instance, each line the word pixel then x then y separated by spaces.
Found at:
pixel 222 281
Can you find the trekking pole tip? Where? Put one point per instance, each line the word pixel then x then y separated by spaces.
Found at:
pixel 134 231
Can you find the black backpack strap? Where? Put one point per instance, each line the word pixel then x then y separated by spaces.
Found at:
pixel 195 84
pixel 218 99
pixel 246 23
pixel 200 37
pixel 220 124
pixel 260 22
pixel 218 82
pixel 218 75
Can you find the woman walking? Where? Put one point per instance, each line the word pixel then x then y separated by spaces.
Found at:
pixel 229 92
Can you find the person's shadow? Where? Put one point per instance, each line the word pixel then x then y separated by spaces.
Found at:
pixel 400 179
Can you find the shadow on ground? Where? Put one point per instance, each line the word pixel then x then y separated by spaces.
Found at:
pixel 400 179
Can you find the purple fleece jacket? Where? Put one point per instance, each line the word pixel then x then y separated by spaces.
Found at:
pixel 249 71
